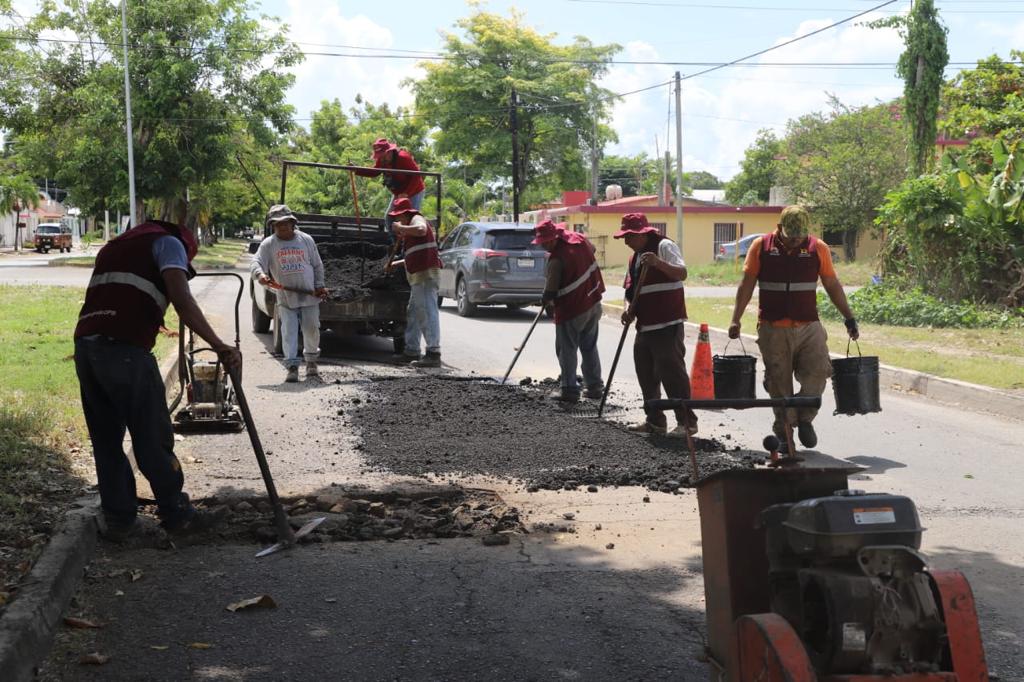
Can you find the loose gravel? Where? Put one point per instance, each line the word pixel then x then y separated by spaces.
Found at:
pixel 346 276
pixel 434 425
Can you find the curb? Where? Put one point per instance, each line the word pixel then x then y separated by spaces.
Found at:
pixel 899 380
pixel 29 623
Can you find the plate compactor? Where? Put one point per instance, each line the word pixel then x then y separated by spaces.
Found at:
pixel 807 580
pixel 210 402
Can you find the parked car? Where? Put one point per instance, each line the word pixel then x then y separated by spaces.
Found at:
pixel 52 236
pixel 491 264
pixel 727 251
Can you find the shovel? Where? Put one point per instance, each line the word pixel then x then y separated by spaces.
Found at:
pixel 519 349
pixel 286 538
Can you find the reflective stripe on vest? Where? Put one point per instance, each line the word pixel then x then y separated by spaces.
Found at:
pixel 579 281
pixel 655 288
pixel 421 247
pixel 132 280
pixel 653 327
pixel 787 286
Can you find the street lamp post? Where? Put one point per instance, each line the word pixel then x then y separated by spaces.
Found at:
pixel 128 114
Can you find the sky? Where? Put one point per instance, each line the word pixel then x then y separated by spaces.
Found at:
pixel 722 111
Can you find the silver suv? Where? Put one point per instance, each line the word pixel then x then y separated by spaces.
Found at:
pixel 491 264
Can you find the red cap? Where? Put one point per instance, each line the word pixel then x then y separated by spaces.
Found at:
pixel 545 232
pixel 400 206
pixel 635 223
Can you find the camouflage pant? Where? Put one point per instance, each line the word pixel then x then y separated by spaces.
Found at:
pixel 800 352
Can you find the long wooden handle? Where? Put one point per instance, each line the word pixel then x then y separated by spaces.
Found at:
pixel 622 341
pixel 523 344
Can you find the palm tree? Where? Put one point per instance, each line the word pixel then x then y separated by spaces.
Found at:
pixel 17 192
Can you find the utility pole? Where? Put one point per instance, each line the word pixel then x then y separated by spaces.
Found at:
pixel 514 124
pixel 594 165
pixel 128 114
pixel 679 162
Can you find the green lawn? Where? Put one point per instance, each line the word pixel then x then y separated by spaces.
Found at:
pixel 41 419
pixel 990 357
pixel 729 274
pixel 223 254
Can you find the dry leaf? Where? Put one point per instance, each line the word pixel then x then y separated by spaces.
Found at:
pixel 135 575
pixel 4 596
pixel 119 593
pixel 200 645
pixel 81 623
pixel 159 647
pixel 262 601
pixel 95 658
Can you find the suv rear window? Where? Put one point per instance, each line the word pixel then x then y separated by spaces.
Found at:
pixel 511 240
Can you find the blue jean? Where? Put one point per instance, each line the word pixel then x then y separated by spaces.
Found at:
pixel 416 200
pixel 122 390
pixel 308 317
pixel 579 336
pixel 423 318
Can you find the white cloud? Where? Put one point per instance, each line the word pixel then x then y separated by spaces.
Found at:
pixel 321 77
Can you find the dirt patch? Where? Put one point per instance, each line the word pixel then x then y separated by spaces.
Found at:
pixel 386 516
pixel 350 266
pixel 422 425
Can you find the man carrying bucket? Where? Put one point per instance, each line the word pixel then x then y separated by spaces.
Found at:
pixel 659 353
pixel 786 265
pixel 574 287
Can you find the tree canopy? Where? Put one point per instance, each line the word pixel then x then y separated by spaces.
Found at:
pixel 758 170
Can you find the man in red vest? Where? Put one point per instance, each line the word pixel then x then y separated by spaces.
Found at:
pixel 136 276
pixel 659 352
pixel 422 268
pixel 786 265
pixel 574 287
pixel 387 154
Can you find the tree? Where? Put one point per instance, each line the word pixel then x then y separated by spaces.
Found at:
pixel 637 175
pixel 987 102
pixel 921 66
pixel 758 171
pixel 207 80
pixel 843 163
pixel 17 191
pixel 701 180
pixel 466 98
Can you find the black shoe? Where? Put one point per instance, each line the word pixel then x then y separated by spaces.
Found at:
pixel 594 392
pixel 119 533
pixel 805 431
pixel 199 522
pixel 564 396
pixel 402 358
pixel 429 359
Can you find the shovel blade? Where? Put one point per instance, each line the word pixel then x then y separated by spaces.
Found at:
pixel 305 530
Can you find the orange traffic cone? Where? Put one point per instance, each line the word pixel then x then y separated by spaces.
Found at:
pixel 702 381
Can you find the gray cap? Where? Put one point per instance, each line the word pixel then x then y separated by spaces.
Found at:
pixel 279 213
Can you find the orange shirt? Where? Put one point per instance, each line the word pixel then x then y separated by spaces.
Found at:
pixel 752 266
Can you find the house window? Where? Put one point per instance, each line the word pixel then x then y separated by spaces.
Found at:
pixel 579 227
pixel 660 227
pixel 724 232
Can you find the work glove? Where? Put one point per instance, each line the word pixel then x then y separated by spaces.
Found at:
pixel 851 328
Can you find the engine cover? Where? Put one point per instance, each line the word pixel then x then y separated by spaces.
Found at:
pixel 836 527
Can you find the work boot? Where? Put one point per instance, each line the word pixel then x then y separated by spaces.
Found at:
pixel 404 358
pixel 431 359
pixel 120 533
pixel 292 376
pixel 200 522
pixel 805 431
pixel 681 430
pixel 647 427
pixel 312 370
pixel 595 392
pixel 565 395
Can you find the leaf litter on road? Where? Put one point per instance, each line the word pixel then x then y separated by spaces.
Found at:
pixel 95 658
pixel 81 623
pixel 264 601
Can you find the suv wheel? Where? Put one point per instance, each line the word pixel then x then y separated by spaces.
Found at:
pixel 465 306
pixel 260 320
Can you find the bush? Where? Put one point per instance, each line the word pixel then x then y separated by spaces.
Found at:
pixel 912 307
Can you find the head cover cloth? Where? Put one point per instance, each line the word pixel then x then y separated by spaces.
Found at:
pixel 795 221
pixel 400 206
pixel 635 223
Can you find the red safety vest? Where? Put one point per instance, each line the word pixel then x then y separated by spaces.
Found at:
pixel 788 280
pixel 663 303
pixel 126 298
pixel 581 285
pixel 421 253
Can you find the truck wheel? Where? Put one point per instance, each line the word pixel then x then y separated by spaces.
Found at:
pixel 278 339
pixel 465 306
pixel 440 300
pixel 260 320
pixel 399 344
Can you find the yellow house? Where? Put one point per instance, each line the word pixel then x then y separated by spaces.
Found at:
pixel 706 225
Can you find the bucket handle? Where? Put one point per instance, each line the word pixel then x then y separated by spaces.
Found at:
pixel 848 342
pixel 742 347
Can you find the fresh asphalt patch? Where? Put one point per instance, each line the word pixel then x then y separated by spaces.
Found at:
pixel 422 425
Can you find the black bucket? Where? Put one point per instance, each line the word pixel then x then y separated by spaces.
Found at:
pixel 735 376
pixel 855 384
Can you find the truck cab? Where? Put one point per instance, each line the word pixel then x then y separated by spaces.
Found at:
pixel 52 236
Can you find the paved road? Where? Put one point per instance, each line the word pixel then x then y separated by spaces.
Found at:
pixel 549 606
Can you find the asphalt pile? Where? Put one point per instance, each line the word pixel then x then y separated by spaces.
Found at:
pixel 434 425
pixel 347 276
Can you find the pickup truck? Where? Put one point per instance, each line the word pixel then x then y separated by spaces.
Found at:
pixel 373 304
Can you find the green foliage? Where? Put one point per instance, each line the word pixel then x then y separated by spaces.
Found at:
pixel 912 307
pixel 987 102
pixel 466 100
pixel 758 171
pixel 842 164
pixel 975 220
pixel 17 191
pixel 637 175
